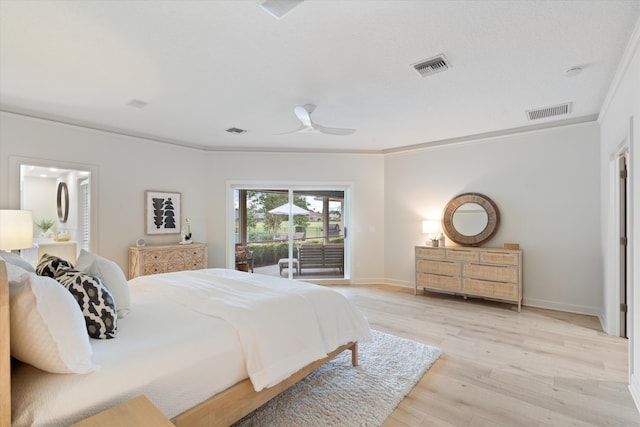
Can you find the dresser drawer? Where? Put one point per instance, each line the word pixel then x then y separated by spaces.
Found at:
pixel 439 267
pixel 462 255
pixel 435 281
pixel 498 257
pixel 431 253
pixel 152 257
pixel 496 273
pixel 509 291
pixel 153 268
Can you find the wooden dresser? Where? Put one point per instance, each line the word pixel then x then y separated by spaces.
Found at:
pixel 491 273
pixel 144 260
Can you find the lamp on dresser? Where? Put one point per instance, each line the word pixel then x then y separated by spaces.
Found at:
pixel 430 228
pixel 16 229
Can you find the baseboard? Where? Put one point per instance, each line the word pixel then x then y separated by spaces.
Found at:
pixel 530 302
pixel 634 389
pixel 559 306
pixel 381 281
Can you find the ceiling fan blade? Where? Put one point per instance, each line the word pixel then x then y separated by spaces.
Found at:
pixel 334 131
pixel 300 129
pixel 303 112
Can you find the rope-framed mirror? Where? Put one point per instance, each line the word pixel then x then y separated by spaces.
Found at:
pixel 470 219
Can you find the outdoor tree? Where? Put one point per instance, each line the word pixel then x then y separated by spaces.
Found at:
pixel 266 201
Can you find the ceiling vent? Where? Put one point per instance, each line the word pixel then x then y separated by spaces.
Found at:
pixel 432 65
pixel 554 110
pixel 236 131
pixel 137 103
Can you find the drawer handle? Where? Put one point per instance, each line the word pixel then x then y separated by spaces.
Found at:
pixel 492 265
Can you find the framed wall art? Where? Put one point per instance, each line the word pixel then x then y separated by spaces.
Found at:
pixel 162 212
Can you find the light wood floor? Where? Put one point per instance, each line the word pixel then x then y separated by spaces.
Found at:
pixel 500 367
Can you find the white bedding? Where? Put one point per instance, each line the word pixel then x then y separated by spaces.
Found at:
pixel 178 347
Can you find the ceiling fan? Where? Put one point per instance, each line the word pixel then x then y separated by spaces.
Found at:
pixel 303 112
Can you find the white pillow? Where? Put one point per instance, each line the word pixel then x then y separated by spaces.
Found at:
pixel 15 273
pixel 48 330
pixel 112 277
pixel 17 260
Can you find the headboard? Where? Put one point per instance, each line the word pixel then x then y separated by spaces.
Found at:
pixel 5 349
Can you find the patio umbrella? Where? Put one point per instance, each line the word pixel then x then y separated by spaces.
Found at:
pixel 284 210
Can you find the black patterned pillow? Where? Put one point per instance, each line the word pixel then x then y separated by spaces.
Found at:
pixel 94 299
pixel 49 265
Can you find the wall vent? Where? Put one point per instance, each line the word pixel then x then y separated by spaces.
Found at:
pixel 431 66
pixel 554 110
pixel 236 131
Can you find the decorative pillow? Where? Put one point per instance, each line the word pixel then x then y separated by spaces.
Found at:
pixel 111 275
pixel 17 260
pixel 94 299
pixel 47 328
pixel 50 264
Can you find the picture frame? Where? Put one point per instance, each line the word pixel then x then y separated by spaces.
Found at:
pixel 162 212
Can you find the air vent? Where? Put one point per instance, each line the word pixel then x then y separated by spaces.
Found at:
pixel 431 66
pixel 236 131
pixel 554 110
pixel 137 103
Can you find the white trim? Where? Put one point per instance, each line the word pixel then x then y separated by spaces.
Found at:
pixel 623 65
pixel 569 308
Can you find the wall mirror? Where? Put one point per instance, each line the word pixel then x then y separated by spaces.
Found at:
pixel 470 219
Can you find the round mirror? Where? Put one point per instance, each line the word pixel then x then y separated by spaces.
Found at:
pixel 470 219
pixel 63 202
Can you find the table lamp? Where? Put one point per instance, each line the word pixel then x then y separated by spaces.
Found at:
pixel 16 229
pixel 430 227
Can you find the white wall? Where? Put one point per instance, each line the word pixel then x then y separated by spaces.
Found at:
pixel 546 186
pixel 41 207
pixel 620 128
pixel 126 167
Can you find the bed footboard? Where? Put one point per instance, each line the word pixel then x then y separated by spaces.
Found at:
pixel 234 403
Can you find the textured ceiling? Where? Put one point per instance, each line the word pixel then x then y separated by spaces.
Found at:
pixel 205 66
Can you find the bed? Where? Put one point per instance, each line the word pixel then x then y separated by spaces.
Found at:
pixel 206 347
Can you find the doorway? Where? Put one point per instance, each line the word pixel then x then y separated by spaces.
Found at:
pixel 290 231
pixel 62 193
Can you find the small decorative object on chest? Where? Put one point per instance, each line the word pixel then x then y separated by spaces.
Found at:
pixel 186 232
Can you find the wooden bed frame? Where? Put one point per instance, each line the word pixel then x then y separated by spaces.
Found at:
pixel 222 409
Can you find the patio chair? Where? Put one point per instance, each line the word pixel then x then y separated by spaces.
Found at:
pixel 244 258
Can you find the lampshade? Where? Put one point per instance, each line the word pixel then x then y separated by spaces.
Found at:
pixel 16 229
pixel 430 226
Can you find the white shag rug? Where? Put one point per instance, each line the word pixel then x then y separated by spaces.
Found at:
pixel 337 394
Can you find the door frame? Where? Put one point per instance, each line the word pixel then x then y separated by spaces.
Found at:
pixel 291 186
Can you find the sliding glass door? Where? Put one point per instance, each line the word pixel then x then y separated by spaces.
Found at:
pixel 290 232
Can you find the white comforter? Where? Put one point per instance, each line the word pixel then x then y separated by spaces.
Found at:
pixel 282 325
pixel 178 351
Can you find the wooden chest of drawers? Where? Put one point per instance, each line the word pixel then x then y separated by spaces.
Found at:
pixel 144 260
pixel 483 272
